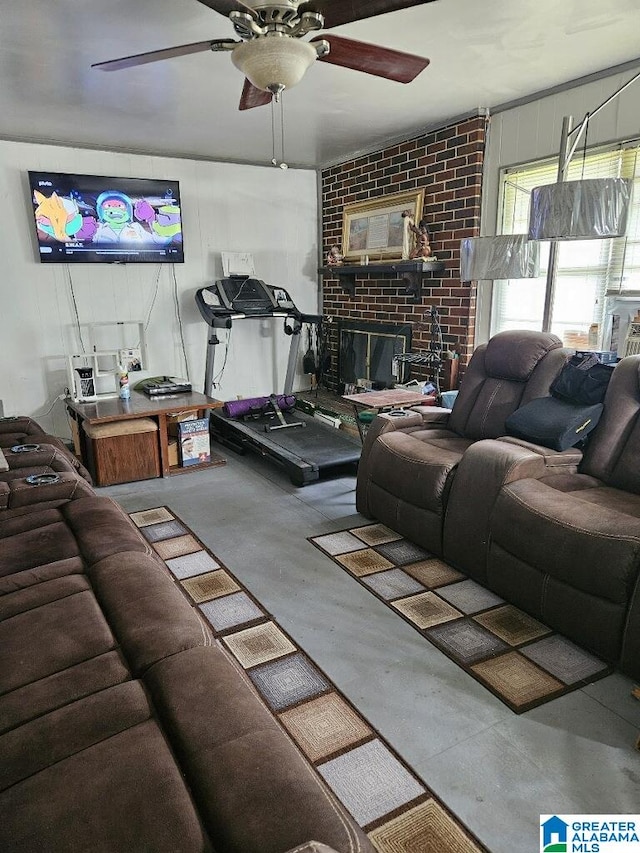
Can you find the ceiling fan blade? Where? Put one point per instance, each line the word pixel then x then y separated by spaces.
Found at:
pixel 373 59
pixel 253 97
pixel 226 6
pixel 157 55
pixel 337 12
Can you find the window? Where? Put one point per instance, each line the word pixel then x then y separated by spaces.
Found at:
pixel 591 274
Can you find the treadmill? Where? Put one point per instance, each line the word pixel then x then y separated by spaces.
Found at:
pixel 304 447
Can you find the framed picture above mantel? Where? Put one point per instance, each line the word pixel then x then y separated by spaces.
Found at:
pixel 377 231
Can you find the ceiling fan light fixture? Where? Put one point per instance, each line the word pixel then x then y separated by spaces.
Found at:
pixel 274 61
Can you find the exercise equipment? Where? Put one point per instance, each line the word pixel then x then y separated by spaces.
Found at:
pixel 241 298
pixel 256 407
pixel 251 405
pixel 268 425
pixel 305 454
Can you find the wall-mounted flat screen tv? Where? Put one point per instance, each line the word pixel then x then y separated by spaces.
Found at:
pixel 93 219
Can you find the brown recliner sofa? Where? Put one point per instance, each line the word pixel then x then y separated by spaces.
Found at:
pixel 409 459
pixel 558 534
pixel 124 726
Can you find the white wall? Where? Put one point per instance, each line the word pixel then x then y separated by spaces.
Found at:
pixel 225 207
pixel 532 132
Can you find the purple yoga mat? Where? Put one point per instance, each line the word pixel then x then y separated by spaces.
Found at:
pixel 238 408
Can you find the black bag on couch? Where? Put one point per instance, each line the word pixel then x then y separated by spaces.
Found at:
pixel 553 423
pixel 583 379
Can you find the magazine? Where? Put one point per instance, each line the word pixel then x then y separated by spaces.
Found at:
pixel 193 441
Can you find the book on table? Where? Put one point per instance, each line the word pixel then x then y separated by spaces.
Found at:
pixel 194 442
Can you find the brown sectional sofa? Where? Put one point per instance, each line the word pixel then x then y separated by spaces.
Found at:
pixel 124 726
pixel 554 533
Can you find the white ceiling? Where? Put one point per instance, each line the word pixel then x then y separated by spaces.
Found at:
pixel 483 53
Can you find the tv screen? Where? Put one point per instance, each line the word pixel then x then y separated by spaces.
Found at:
pixel 89 219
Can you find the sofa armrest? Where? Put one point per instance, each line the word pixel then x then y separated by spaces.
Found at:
pixel 43 456
pixel 483 470
pixel 424 417
pixel 568 459
pixel 20 493
pixel 433 416
pixel 238 760
pixel 12 424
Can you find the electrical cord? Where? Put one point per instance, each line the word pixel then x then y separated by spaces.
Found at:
pixel 179 318
pixel 153 300
pixel 50 409
pixel 217 379
pixel 75 307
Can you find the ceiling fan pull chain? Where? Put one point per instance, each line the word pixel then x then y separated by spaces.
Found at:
pixel 283 162
pixel 273 134
pixel 275 103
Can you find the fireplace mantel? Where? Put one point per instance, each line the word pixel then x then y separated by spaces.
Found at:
pixel 411 272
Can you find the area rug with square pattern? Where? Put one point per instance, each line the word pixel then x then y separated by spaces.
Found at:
pixel 523 662
pixel 394 806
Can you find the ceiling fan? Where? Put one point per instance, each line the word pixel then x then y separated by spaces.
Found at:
pixel 271 53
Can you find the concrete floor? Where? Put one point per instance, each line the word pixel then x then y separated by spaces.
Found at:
pixel 497 771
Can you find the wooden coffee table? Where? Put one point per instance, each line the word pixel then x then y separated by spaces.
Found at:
pixel 390 398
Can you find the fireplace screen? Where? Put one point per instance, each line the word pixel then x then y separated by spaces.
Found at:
pixel 366 353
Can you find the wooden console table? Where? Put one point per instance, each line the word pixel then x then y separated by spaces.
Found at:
pixel 141 406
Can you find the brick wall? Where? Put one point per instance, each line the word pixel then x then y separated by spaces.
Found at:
pixel 447 164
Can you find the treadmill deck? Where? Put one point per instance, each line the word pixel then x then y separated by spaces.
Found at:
pixel 305 452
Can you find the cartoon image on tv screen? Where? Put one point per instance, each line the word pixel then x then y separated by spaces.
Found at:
pixel 90 222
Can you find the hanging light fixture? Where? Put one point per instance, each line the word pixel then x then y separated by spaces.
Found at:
pixel 591 209
pixel 502 257
pixel 595 214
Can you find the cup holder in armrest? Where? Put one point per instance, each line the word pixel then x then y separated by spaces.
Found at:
pixel 398 413
pixel 25 448
pixel 47 488
pixel 42 479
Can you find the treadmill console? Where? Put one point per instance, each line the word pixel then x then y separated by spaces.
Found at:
pixel 241 296
pixel 246 295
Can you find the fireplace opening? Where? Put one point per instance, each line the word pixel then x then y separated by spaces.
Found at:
pixel 366 352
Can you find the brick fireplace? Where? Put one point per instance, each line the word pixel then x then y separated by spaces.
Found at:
pixel 447 164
